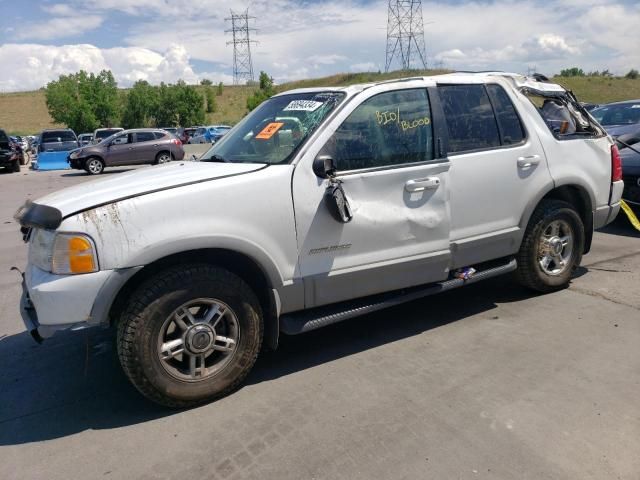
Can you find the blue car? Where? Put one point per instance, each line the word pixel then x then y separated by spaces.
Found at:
pixel 210 134
pixel 622 122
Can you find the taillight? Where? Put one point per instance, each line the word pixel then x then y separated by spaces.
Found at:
pixel 176 141
pixel 616 164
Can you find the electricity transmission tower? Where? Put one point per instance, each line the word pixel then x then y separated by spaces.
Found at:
pixel 405 35
pixel 242 64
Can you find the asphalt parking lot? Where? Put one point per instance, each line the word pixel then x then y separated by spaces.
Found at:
pixel 489 381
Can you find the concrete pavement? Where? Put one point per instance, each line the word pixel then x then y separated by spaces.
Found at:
pixel 489 381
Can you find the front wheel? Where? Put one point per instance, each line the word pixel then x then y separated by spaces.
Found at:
pixel 551 248
pixel 94 166
pixel 190 334
pixel 16 166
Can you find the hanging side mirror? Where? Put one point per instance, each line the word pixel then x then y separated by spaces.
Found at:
pixel 324 166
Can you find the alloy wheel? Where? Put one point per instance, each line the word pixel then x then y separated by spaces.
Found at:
pixel 198 339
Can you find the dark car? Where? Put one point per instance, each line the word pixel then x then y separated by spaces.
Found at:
pixel 622 122
pixel 9 159
pixel 129 147
pixel 172 130
pixel 185 134
pixel 57 140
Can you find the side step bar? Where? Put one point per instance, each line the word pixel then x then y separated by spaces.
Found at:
pixel 307 320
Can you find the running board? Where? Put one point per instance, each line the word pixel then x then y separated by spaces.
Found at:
pixel 307 320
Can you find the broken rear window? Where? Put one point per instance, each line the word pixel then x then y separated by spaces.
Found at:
pixel 563 115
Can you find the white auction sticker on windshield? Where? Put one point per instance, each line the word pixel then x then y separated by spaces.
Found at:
pixel 302 105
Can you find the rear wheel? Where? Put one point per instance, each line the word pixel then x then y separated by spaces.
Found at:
pixel 552 247
pixel 94 166
pixel 190 334
pixel 163 157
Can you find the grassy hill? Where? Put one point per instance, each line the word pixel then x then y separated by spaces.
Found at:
pixel 26 112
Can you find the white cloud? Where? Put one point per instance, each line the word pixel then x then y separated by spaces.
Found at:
pixel 364 67
pixel 60 27
pixel 300 39
pixel 33 65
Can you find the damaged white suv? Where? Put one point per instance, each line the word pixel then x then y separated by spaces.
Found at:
pixel 322 204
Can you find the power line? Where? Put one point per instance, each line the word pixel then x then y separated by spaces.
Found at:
pixel 242 63
pixel 405 35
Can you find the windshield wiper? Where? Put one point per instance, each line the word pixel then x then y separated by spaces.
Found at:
pixel 215 158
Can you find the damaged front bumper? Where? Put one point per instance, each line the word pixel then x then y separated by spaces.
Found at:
pixel 59 302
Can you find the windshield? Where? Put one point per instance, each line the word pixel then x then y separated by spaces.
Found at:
pixel 273 131
pixel 58 136
pixel 102 134
pixel 621 114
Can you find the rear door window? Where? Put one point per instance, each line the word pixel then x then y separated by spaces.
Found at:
pixel 390 128
pixel 509 124
pixel 144 137
pixel 470 119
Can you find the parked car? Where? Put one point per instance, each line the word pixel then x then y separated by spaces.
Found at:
pixel 128 147
pixel 185 134
pixel 172 130
pixel 9 158
pixel 374 195
pixel 57 140
pixel 210 134
pixel 622 121
pixel 85 139
pixel 17 146
pixel 589 106
pixel 101 133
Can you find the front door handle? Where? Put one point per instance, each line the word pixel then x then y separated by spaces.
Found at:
pixel 429 183
pixel 528 161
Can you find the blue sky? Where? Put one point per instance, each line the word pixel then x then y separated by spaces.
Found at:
pixel 164 40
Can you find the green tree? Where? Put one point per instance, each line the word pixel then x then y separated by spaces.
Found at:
pixel 179 104
pixel 219 89
pixel 266 82
pixel 140 106
pixel 83 101
pixel 265 91
pixel 211 100
pixel 206 82
pixel 572 72
pixel 633 74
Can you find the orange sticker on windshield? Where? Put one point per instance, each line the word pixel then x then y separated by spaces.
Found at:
pixel 269 130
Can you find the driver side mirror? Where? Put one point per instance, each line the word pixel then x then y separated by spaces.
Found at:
pixel 324 166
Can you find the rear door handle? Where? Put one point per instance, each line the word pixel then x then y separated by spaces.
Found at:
pixel 528 161
pixel 429 183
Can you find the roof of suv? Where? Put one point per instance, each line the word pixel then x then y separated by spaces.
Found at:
pixel 515 79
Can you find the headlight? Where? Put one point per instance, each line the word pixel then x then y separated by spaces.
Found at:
pixel 75 154
pixel 63 253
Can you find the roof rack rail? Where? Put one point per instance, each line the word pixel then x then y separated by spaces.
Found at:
pixel 393 80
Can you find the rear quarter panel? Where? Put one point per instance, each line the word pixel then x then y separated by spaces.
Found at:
pixel 579 161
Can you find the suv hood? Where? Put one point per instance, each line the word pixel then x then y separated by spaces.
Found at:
pixel 139 182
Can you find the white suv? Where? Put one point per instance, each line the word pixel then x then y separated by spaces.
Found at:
pixel 321 205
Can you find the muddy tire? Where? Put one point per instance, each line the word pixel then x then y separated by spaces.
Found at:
pixel 551 248
pixel 189 335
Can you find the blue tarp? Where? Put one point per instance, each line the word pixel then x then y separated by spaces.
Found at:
pixel 52 161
